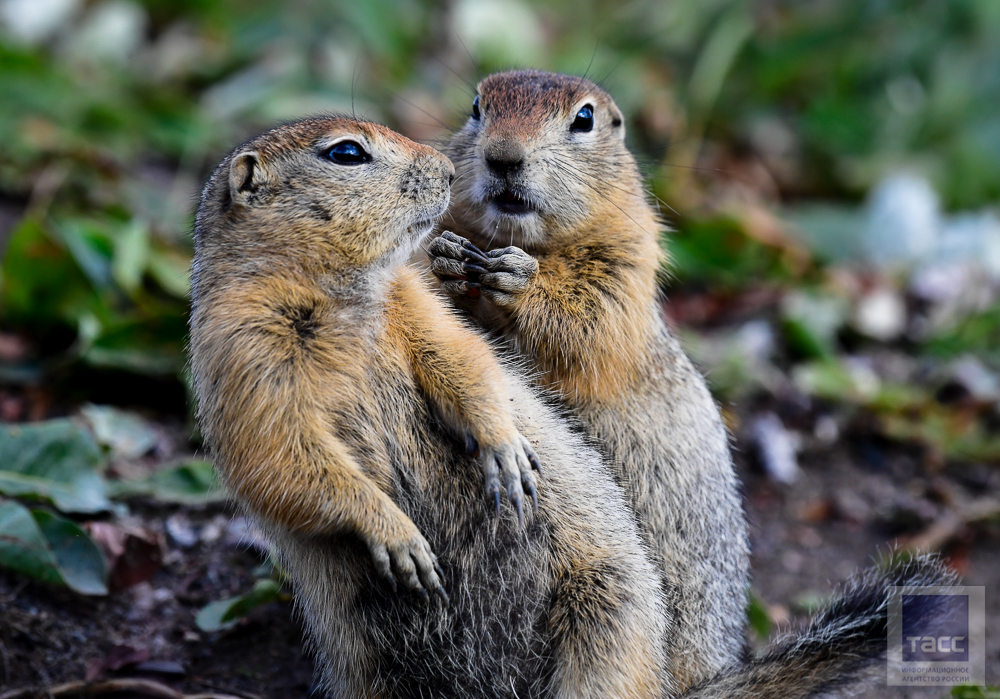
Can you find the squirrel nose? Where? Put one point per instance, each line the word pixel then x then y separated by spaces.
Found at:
pixel 503 157
pixel 504 167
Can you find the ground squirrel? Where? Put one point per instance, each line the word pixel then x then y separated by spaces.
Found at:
pixel 345 406
pixel 542 168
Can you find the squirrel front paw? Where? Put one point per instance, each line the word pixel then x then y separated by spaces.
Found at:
pixel 465 270
pixel 515 463
pixel 410 556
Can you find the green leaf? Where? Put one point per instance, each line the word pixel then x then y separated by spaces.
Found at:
pixel 758 616
pixel 172 271
pixel 127 434
pixel 55 461
pixel 85 493
pixel 190 483
pixel 90 246
pixel 41 283
pixel 968 691
pixel 81 563
pixel 50 548
pixel 978 334
pixel 225 613
pixel 131 255
pixel 837 381
pixel 716 58
pixel 810 602
pixel 811 321
pixel 23 547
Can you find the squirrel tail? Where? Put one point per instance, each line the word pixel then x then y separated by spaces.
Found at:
pixel 837 648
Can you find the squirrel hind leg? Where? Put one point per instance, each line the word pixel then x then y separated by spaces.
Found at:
pixel 602 637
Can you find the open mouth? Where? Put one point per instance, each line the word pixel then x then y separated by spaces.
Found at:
pixel 511 203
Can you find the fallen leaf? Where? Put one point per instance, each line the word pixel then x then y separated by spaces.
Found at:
pixel 116 659
pixel 49 548
pixel 133 555
pixel 127 434
pixel 56 461
pixel 226 613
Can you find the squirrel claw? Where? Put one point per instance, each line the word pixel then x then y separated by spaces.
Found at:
pixel 514 462
pixel 471 445
pixel 515 500
pixel 467 244
pixel 471 268
pixel 442 595
pixel 529 488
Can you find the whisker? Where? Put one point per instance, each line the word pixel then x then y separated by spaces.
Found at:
pixel 424 111
pixel 599 193
pixel 647 190
pixel 471 87
pixel 469 54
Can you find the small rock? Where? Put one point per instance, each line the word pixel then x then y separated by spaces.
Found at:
pixel 181 531
pixel 851 506
pixel 214 530
pixel 881 314
pixel 826 429
pixel 904 220
pixel 982 384
pixel 776 447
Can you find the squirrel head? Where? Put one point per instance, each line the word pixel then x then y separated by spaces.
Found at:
pixel 334 191
pixel 539 154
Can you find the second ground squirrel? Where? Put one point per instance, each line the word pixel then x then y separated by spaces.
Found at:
pixel 546 185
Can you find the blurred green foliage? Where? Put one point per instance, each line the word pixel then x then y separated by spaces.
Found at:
pixel 114 112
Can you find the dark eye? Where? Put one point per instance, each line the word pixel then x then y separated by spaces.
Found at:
pixel 348 153
pixel 475 108
pixel 584 119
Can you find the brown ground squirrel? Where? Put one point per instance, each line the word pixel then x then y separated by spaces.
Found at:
pixel 542 169
pixel 340 400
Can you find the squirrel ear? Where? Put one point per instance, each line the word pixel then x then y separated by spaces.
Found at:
pixel 246 177
pixel 618 123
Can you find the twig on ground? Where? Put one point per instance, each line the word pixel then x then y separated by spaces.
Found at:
pixel 951 523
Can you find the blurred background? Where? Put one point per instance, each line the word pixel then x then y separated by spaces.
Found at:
pixel 830 171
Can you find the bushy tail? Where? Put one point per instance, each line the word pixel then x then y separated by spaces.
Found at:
pixel 838 646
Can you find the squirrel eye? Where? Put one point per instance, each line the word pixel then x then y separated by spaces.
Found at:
pixel 584 119
pixel 475 108
pixel 348 153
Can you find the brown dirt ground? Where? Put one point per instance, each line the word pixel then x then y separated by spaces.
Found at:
pixel 807 537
